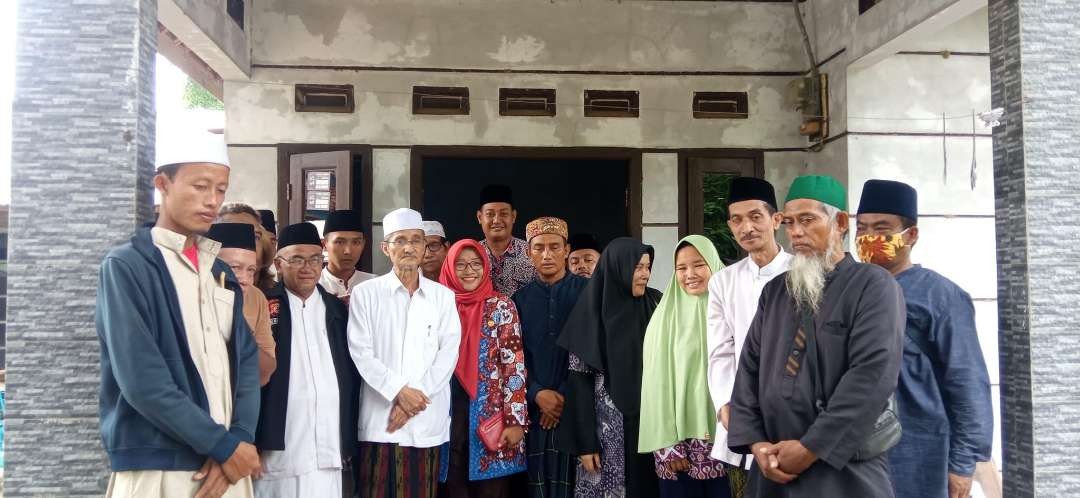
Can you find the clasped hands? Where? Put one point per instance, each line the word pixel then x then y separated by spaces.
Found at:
pixel 217 477
pixel 782 462
pixel 408 403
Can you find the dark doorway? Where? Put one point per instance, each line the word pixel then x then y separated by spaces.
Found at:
pixel 592 194
pixel 708 178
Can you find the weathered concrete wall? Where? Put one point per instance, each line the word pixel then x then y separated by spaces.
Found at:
pixel 521 34
pixel 912 91
pixel 205 28
pixel 261 112
pixel 567 45
pixel 82 159
pixel 253 176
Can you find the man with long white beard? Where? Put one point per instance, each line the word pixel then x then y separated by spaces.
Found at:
pixel 811 400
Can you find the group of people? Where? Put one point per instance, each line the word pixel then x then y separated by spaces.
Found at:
pixel 242 360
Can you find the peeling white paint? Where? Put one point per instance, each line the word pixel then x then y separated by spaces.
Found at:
pixel 524 48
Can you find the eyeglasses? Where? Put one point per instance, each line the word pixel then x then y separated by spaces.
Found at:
pixel 402 242
pixel 476 266
pixel 434 246
pixel 299 262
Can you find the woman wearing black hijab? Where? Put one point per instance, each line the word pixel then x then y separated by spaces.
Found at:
pixel 604 335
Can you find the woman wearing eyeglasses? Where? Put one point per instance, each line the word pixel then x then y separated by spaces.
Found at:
pixel 488 408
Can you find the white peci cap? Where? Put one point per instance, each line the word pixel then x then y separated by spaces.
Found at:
pixel 434 228
pixel 401 219
pixel 194 147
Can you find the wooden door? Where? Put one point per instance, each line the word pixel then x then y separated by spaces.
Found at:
pixel 319 182
pixel 708 180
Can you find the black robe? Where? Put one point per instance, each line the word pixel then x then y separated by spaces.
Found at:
pixel 606 330
pixel 856 351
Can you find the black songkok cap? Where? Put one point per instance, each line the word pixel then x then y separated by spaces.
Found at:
pixel 583 241
pixel 233 235
pixel 889 197
pixel 496 193
pixel 748 188
pixel 300 233
pixel 345 220
pixel 268 221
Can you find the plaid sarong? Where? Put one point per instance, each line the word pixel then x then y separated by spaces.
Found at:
pixel 551 472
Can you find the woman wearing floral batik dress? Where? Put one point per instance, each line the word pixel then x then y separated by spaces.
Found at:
pixel 489 412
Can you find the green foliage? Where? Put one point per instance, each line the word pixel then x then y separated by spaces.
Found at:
pixel 715 188
pixel 197 97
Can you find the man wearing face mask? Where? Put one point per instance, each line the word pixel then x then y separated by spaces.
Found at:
pixel 943 395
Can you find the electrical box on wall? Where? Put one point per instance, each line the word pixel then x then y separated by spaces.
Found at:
pixel 811 98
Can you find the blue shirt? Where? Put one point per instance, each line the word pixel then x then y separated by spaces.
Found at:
pixel 943 395
pixel 543 309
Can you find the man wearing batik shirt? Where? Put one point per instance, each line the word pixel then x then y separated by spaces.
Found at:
pixel 511 267
pixel 543 306
pixel 820 362
pixel 733 301
pixel 943 396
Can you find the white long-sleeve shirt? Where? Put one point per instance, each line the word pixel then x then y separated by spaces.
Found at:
pixel 398 340
pixel 733 302
pixel 339 287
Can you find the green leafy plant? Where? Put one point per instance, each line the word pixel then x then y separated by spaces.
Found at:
pixel 715 187
pixel 197 97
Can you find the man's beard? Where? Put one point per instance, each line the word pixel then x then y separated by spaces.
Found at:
pixel 806 277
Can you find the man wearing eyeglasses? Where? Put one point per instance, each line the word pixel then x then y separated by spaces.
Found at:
pixel 436 248
pixel 343 238
pixel 404 332
pixel 307 425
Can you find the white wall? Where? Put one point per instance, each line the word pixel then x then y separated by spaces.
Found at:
pixel 956 223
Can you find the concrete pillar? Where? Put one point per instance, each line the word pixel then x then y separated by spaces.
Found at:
pixel 660 212
pixel 1034 76
pixel 82 154
pixel 391 189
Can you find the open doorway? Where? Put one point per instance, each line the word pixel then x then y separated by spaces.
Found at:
pixel 592 190
pixel 318 179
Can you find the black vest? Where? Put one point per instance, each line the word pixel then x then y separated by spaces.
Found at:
pixel 270 434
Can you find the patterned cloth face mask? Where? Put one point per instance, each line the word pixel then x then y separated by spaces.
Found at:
pixel 879 249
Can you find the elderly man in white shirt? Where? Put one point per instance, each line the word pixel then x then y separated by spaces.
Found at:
pixel 404 332
pixel 733 301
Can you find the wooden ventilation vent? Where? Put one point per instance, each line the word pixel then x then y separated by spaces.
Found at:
pixel 325 98
pixel 526 101
pixel 611 103
pixel 440 100
pixel 721 105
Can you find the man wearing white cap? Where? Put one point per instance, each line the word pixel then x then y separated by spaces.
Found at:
pixel 436 247
pixel 179 367
pixel 404 332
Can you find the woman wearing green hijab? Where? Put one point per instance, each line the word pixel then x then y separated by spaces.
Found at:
pixel 677 415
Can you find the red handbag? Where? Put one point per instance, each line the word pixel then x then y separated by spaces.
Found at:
pixel 490 431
